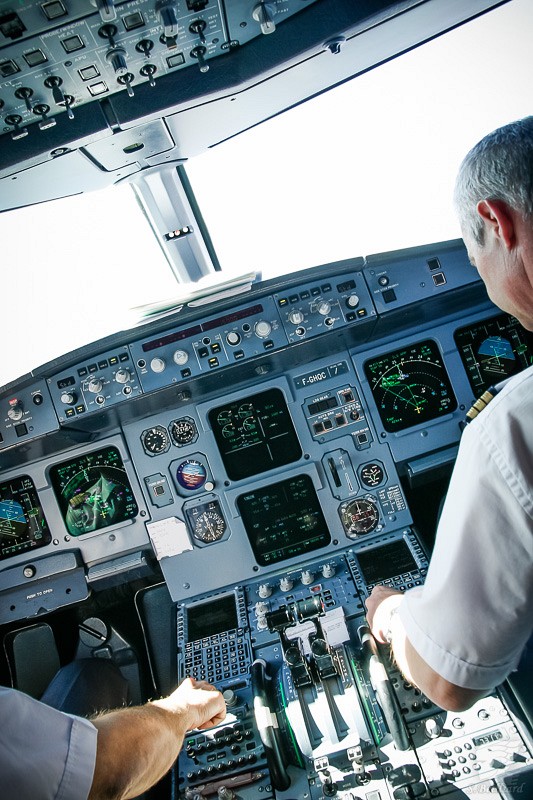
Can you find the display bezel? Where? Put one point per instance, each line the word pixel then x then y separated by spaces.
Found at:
pixel 282 514
pixel 210 617
pixel 255 434
pixel 77 478
pixel 515 341
pixel 20 492
pixel 386 561
pixel 402 400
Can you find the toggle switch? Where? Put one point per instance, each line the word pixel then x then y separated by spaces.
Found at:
pixel 42 109
pixel 199 53
pixel 166 9
pixel 14 120
pixel 263 13
pixel 24 93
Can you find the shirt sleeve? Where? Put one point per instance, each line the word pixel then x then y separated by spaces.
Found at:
pixel 473 616
pixel 44 754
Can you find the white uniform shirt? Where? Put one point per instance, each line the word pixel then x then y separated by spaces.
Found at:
pixel 474 614
pixel 44 754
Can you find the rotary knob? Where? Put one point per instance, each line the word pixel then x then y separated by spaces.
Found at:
pixel 233 338
pixel 157 364
pixel 264 591
pixel 324 308
pixel 180 358
pixel 95 385
pixel 296 317
pixel 286 584
pixel 307 577
pixel 122 376
pixel 352 301
pixel 262 329
pixel 328 570
pixel 15 411
pixel 68 398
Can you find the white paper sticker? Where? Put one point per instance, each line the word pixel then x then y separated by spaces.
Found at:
pixel 169 537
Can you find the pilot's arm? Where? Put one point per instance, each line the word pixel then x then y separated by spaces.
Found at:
pixel 137 746
pixel 463 632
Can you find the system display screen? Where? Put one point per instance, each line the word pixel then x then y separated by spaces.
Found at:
pixel 212 617
pixel 255 434
pixel 283 520
pixel 493 350
pixel 386 562
pixel 93 491
pixel 410 386
pixel 23 526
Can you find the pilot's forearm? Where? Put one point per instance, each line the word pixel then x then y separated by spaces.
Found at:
pixel 136 747
pixel 386 626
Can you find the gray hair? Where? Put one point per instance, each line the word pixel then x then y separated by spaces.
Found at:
pixel 499 167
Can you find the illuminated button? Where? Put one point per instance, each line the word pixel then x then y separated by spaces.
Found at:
pixel 98 88
pixel 35 58
pixel 132 21
pixel 88 73
pixel 72 43
pixel 176 60
pixel 389 295
pixel 21 430
pixel 54 9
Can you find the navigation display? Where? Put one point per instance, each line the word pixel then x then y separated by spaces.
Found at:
pixel 493 350
pixel 255 434
pixel 23 526
pixel 93 491
pixel 283 520
pixel 410 386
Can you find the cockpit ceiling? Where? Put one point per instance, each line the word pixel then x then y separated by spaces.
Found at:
pixel 89 98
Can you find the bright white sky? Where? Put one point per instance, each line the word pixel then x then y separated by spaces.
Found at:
pixel 366 168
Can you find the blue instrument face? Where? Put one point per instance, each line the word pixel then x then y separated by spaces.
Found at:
pixel 493 350
pixel 23 526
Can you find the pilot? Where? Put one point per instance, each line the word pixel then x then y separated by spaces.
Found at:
pixel 464 631
pixel 47 754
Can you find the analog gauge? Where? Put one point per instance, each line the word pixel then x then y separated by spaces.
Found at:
pixel 183 431
pixel 206 521
pixel 191 474
pixel 209 526
pixel 372 474
pixel 358 517
pixel 155 440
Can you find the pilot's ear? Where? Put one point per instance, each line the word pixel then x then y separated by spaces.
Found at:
pixel 498 217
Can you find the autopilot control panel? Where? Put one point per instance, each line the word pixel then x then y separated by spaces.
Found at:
pixel 268 455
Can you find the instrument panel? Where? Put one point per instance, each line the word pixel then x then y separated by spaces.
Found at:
pixel 271 491
pixel 301 443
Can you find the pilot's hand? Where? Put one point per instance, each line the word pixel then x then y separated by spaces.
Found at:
pixel 379 607
pixel 201 704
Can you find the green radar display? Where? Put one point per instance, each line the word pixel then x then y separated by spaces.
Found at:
pixel 410 386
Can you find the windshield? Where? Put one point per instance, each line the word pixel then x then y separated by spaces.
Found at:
pixel 370 165
pixel 365 168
